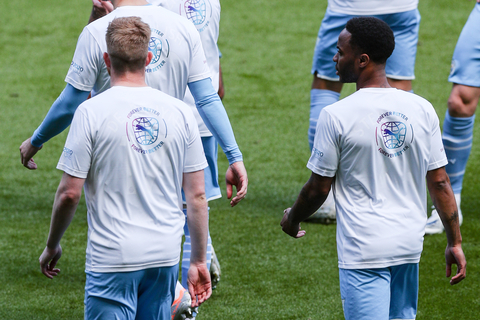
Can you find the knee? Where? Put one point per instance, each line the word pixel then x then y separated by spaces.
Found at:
pixel 319 83
pixel 462 102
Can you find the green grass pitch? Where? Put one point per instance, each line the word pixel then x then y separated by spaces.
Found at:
pixel 267 48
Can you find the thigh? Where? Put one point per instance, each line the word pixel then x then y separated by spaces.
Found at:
pixel 405 26
pixel 111 295
pixel 365 293
pixel 404 291
pixel 465 68
pixel 326 47
pixel 156 293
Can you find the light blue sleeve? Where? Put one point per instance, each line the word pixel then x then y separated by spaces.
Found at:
pixel 60 115
pixel 215 117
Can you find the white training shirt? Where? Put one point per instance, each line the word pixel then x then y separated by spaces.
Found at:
pixel 133 144
pixel 379 143
pixel 205 15
pixel 371 7
pixel 178 56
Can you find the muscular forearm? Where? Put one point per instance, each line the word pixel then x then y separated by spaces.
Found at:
pixel 197 212
pixel 444 201
pixel 66 201
pixel 311 197
pixel 62 215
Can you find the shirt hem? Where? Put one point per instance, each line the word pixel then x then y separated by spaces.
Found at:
pixel 375 265
pixel 74 173
pixel 319 171
pixel 370 11
pixel 130 268
pixel 77 85
pixel 199 77
pixel 195 168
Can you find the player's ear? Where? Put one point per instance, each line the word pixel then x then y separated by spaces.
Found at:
pixel 149 58
pixel 108 63
pixel 364 60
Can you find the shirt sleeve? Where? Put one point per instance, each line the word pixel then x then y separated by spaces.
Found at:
pixel 215 117
pixel 86 62
pixel 438 158
pixel 325 153
pixel 77 153
pixel 60 115
pixel 195 156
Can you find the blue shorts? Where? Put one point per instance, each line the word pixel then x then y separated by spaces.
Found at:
pixel 465 68
pixel 400 65
pixel 212 189
pixel 379 294
pixel 143 294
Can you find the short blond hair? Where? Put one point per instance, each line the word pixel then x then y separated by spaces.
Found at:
pixel 127 43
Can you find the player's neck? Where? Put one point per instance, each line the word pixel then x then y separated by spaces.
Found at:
pixel 128 79
pixel 373 78
pixel 120 3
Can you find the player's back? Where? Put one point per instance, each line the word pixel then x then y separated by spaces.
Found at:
pixel 138 143
pixel 205 16
pixel 178 56
pixel 387 140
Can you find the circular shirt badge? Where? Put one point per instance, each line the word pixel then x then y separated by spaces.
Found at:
pixel 160 49
pixel 394 134
pixel 146 130
pixel 155 47
pixel 196 11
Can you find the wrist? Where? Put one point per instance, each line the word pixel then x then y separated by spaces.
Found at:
pixel 51 245
pixel 292 219
pixel 234 155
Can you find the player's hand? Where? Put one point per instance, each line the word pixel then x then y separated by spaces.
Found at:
pixel 199 283
pixel 454 255
pixel 289 228
pixel 27 151
pixel 236 176
pixel 48 260
pixel 101 8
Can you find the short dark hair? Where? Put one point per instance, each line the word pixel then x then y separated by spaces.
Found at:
pixel 371 36
pixel 127 43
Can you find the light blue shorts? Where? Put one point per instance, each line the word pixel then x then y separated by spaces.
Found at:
pixel 379 294
pixel 466 57
pixel 400 65
pixel 138 295
pixel 212 189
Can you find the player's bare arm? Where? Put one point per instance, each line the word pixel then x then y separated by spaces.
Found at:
pixel 444 201
pixel 66 200
pixel 311 197
pixel 221 87
pixel 199 283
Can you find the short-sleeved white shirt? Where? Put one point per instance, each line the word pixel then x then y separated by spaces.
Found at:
pixel 178 56
pixel 205 15
pixel 133 145
pixel 371 7
pixel 379 144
